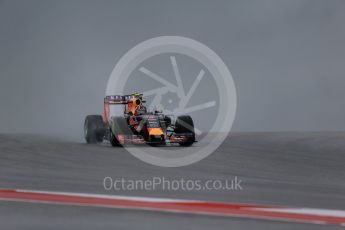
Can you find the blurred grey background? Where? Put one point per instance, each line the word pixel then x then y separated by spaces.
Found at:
pixel 287 58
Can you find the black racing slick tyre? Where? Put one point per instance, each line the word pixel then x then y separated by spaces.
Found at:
pixel 119 127
pixel 113 140
pixel 94 129
pixel 185 125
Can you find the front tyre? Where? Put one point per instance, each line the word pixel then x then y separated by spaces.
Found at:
pixel 113 140
pixel 184 125
pixel 119 127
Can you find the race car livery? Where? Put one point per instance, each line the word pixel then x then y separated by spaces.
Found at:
pixel 126 120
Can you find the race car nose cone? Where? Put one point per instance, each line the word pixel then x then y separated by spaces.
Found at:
pixel 155 131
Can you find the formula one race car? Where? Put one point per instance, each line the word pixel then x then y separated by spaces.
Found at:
pixel 126 120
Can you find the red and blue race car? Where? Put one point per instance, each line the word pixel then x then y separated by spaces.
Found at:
pixel 126 120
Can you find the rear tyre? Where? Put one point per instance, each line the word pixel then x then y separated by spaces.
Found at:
pixel 94 129
pixel 185 125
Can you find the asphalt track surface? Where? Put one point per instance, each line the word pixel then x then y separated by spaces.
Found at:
pixel 288 169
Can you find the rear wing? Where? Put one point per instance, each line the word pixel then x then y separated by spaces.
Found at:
pixel 126 100
pixel 119 99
